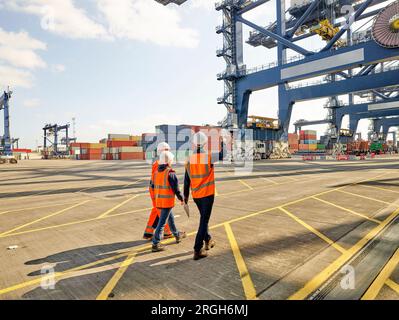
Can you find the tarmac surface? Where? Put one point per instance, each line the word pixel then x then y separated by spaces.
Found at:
pixel 286 229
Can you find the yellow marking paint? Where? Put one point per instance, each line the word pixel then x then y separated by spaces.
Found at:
pixel 116 277
pixel 246 184
pixel 378 283
pixel 313 230
pixel 364 197
pixel 34 208
pixel 320 278
pixel 43 218
pixel 147 247
pixel 378 188
pixel 74 222
pixel 216 192
pixel 347 210
pixel 106 213
pixel 393 285
pixel 269 180
pixel 249 288
pixel 134 182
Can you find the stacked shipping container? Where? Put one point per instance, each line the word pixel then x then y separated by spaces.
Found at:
pixel 293 144
pixel 308 140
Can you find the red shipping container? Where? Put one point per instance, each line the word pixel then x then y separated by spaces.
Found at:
pixel 94 157
pixel 117 144
pixel 131 156
pixel 94 151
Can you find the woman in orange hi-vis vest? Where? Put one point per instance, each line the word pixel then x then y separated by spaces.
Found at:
pixel 200 177
pixel 154 215
pixel 166 188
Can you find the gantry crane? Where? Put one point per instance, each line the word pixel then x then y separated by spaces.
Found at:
pixel 53 130
pixel 365 62
pixel 6 142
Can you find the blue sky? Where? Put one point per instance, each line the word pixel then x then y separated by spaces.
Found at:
pixel 120 69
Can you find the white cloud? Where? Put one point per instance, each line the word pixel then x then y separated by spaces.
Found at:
pixel 58 68
pixel 60 17
pixel 142 20
pixel 203 4
pixel 18 57
pixel 147 21
pixel 31 103
pixel 14 77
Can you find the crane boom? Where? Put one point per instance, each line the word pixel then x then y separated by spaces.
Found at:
pixel 166 2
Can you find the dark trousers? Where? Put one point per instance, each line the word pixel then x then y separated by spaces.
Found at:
pixel 205 208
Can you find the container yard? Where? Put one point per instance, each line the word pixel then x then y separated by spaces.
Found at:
pixel 144 201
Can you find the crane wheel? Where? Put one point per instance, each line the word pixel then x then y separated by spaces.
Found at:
pixel 2 161
pixel 13 161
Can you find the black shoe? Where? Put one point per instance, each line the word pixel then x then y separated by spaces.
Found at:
pixel 210 244
pixel 157 247
pixel 181 236
pixel 200 254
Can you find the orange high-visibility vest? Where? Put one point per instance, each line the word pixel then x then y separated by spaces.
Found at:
pixel 154 169
pixel 202 175
pixel 164 195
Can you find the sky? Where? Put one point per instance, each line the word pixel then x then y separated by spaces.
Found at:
pixel 122 66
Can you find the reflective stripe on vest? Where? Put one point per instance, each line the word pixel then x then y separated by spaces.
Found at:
pixel 201 175
pixel 164 195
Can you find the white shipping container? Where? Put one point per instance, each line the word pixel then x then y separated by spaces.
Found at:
pixel 114 150
pixel 118 136
pixel 131 149
pixel 105 150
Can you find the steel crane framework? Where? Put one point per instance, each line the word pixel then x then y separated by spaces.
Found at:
pixel 6 142
pixel 362 65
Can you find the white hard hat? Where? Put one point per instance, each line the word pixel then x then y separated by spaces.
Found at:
pixel 163 146
pixel 200 138
pixel 166 157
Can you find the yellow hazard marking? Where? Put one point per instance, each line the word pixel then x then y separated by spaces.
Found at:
pixel 313 230
pixel 103 215
pixel 34 208
pixel 75 222
pixel 301 294
pixel 249 289
pixel 393 285
pixel 320 278
pixel 216 192
pixel 246 184
pixel 104 294
pixel 364 197
pixel 347 210
pixel 378 188
pixel 269 180
pixel 382 277
pixel 134 182
pixel 43 218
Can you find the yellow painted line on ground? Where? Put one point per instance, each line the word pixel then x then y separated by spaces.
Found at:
pixel 347 210
pixel 364 197
pixel 104 294
pixel 134 182
pixel 216 192
pixel 249 288
pixel 313 230
pixel 383 276
pixel 393 285
pixel 103 215
pixel 34 208
pixel 378 188
pixel 43 218
pixel 245 184
pixel 320 278
pixel 74 222
pixel 97 186
pixel 269 180
pixel 145 247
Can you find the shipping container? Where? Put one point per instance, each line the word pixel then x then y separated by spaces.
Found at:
pixel 131 156
pixel 131 149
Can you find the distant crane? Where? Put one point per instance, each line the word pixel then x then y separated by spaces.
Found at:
pixel 6 143
pixel 53 130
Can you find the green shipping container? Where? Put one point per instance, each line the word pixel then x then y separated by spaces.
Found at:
pixel 321 146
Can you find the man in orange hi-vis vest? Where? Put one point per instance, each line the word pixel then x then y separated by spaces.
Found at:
pixel 154 215
pixel 200 177
pixel 166 188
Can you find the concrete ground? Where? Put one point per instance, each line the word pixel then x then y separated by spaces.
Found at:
pixel 281 230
